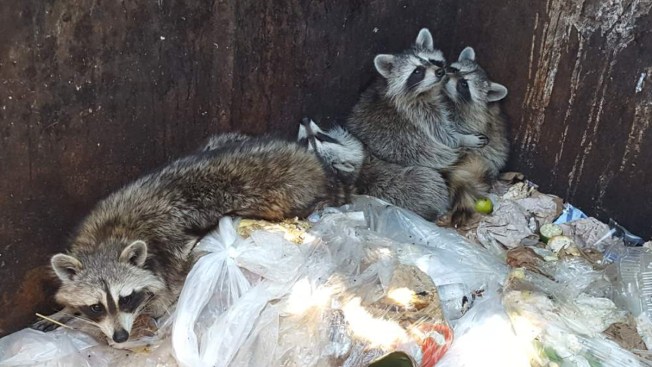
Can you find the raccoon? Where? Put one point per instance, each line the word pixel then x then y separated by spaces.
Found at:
pixel 341 153
pixel 473 95
pixel 417 188
pixel 131 254
pixel 402 117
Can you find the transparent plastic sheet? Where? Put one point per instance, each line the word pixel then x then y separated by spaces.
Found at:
pixel 629 270
pixel 442 253
pixel 84 346
pixel 560 329
pixel 60 348
pixel 347 313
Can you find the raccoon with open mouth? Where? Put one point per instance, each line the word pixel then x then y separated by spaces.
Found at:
pixel 473 96
pixel 131 254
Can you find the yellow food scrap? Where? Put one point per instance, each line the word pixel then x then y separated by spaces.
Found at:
pixel 294 230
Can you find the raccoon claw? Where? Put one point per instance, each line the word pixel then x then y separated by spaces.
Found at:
pixel 44 325
pixel 482 140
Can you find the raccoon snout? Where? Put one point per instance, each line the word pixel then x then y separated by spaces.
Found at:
pixel 120 336
pixel 306 121
pixel 440 72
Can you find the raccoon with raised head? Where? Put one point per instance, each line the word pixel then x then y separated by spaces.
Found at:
pixel 473 95
pixel 131 254
pixel 341 153
pixel 402 118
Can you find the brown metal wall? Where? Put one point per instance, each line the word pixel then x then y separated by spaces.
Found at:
pixel 95 92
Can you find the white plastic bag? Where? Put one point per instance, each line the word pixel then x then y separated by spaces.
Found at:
pixel 484 337
pixel 60 348
pixel 220 304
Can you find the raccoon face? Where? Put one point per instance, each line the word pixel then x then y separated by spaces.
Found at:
pixel 468 83
pixel 337 148
pixel 415 71
pixel 108 288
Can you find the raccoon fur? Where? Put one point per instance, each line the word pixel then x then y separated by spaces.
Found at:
pixel 473 95
pixel 131 254
pixel 221 140
pixel 420 189
pixel 416 188
pixel 341 153
pixel 402 118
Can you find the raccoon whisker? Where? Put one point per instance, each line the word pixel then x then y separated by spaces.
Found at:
pixel 81 318
pixel 54 321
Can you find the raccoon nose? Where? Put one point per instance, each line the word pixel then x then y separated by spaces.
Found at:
pixel 120 336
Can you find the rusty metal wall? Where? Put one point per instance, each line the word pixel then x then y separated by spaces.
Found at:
pixel 93 93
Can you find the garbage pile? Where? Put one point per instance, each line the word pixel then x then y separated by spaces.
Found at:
pixel 536 283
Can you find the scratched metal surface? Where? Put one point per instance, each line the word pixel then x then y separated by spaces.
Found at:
pixel 94 93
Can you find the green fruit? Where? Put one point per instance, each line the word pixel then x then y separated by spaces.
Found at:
pixel 484 206
pixel 393 359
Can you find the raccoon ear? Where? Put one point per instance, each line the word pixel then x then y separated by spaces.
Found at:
pixel 135 253
pixel 496 92
pixel 424 39
pixel 467 54
pixel 303 134
pixel 65 266
pixel 384 64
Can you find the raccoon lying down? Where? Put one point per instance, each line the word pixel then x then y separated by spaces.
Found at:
pixel 131 254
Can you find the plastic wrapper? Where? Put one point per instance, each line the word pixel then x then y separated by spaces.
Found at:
pixel 569 214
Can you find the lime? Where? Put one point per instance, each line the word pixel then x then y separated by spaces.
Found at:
pixel 484 206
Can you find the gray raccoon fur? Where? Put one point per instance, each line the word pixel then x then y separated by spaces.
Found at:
pixel 420 189
pixel 340 152
pixel 402 118
pixel 473 95
pixel 221 140
pixel 416 188
pixel 131 254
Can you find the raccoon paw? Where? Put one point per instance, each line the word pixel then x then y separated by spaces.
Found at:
pixel 480 140
pixel 460 217
pixel 44 325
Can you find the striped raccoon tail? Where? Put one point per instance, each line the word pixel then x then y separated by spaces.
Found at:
pixel 467 182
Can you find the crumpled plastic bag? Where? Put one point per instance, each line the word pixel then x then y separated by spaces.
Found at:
pixel 440 252
pixel 72 348
pixel 561 329
pixel 59 348
pixel 484 337
pixel 348 315
pixel 219 306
